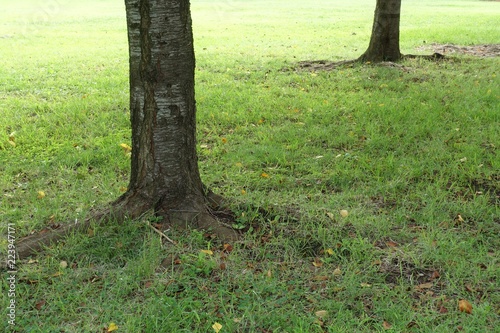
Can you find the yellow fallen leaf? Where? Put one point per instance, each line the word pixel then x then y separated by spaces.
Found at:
pixel 464 306
pixel 321 313
pixel 337 271
pixel 329 252
pixel 41 195
pixel 12 139
pixel 239 165
pixel 126 148
pixel 217 327
pixel 366 285
pixel 331 216
pixel 317 263
pixel 12 143
pixel 224 140
pixel 264 175
pixel 386 325
pixel 63 264
pixel 209 252
pixel 112 327
pixel 344 213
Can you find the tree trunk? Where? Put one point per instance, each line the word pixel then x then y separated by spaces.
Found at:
pixel 384 41
pixel 164 168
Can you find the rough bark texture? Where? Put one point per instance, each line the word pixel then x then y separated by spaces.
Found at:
pixel 164 170
pixel 384 41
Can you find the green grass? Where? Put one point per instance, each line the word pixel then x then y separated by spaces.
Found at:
pixel 412 155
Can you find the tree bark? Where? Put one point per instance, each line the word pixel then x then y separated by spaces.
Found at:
pixel 164 166
pixel 384 41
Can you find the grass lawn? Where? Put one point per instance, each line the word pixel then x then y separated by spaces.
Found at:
pixel 372 193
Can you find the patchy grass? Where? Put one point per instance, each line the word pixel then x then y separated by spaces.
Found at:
pixel 411 155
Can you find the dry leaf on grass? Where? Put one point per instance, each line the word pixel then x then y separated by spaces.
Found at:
pixel 217 327
pixel 464 306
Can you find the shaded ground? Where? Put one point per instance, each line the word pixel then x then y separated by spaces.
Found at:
pixel 439 51
pixel 486 50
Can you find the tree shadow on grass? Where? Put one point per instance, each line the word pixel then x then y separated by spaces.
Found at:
pixel 441 52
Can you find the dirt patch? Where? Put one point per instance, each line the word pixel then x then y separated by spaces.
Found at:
pixel 440 51
pixel 483 51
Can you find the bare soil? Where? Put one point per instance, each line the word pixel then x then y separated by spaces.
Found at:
pixel 483 51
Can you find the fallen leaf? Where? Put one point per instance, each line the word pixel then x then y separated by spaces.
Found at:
pixel 148 284
pixel 320 278
pixel 209 252
pixel 337 271
pixel 464 306
pixel 435 275
pixel 264 175
pixel 222 266
pixel 126 148
pixel 228 248
pixel 365 285
pixel 224 140
pixel 239 165
pixel 317 262
pixel 12 139
pixel 57 274
pixel 321 313
pixel 386 325
pixel 424 286
pixel 40 304
pixel 329 252
pixel 442 309
pixel 112 327
pixel 63 264
pixel 331 216
pixel 217 327
pixel 344 213
pixel 391 244
pixel 41 195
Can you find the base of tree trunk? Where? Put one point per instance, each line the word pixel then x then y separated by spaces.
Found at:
pixel 326 65
pixel 130 206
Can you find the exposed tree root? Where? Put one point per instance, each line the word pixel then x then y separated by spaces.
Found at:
pixel 36 243
pixel 325 65
pixel 130 206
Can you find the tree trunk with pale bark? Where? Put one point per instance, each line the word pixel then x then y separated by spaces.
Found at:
pixel 164 170
pixel 384 41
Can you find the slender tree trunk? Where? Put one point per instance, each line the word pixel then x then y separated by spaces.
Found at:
pixel 384 41
pixel 164 169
